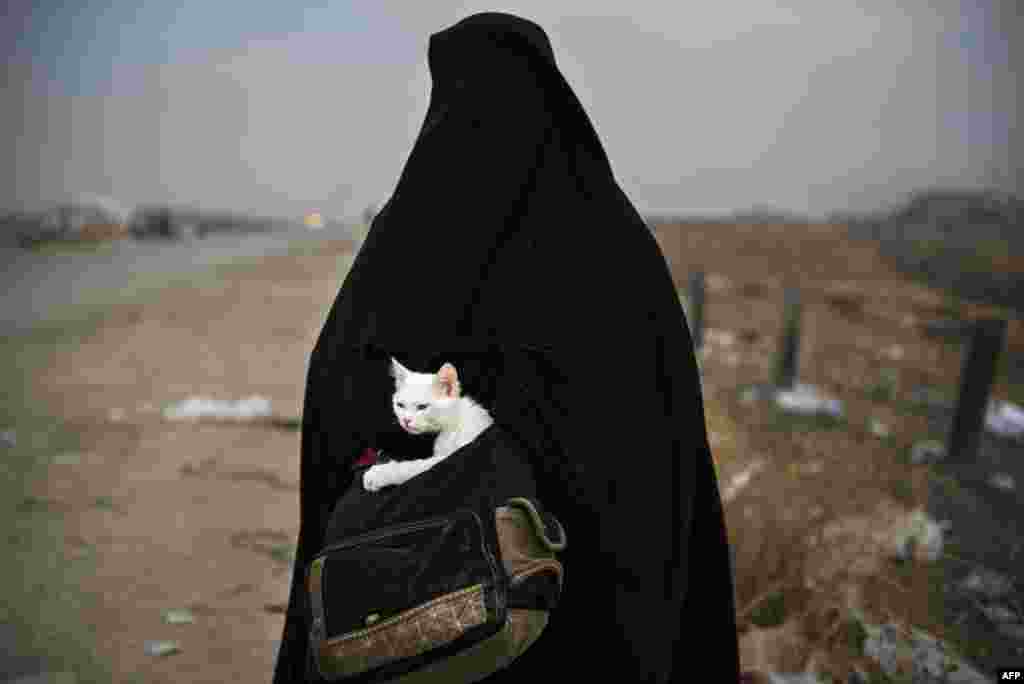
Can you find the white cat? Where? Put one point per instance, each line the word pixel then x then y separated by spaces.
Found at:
pixel 427 403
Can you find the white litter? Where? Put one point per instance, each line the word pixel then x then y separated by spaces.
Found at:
pixel 178 616
pixel 929 660
pixel 1003 481
pixel 805 400
pixel 1005 418
pixel 721 338
pixel 740 480
pixel 162 648
pixel 987 583
pixel 999 613
pixel 927 451
pixel 201 407
pixel 921 536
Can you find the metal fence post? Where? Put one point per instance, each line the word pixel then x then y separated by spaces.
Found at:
pixel 977 375
pixel 787 361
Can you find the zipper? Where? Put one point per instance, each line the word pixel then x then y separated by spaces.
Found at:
pixel 392 532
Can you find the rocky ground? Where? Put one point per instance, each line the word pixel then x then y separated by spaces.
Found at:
pixel 828 498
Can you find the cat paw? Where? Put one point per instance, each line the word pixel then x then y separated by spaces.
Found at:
pixel 376 478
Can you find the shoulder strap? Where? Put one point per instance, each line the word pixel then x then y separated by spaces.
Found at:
pixel 547 526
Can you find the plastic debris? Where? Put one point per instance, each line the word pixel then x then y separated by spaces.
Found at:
pixel 805 400
pixel 8 439
pixel 178 616
pixel 999 613
pixel 987 583
pixel 927 659
pixel 202 407
pixel 928 451
pixel 740 480
pixel 1005 418
pixel 720 338
pixel 1003 481
pixel 162 648
pixel 920 536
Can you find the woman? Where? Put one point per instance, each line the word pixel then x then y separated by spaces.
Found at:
pixel 508 244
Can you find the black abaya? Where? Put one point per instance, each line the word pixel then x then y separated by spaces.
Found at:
pixel 509 249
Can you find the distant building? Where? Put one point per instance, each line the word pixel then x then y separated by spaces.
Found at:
pixel 68 222
pixel 180 223
pixel 154 222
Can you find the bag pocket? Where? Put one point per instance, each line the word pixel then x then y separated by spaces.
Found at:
pixel 529 541
pixel 396 599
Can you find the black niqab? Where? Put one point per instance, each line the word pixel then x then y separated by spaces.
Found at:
pixel 509 249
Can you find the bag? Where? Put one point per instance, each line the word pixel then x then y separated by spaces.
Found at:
pixel 451 598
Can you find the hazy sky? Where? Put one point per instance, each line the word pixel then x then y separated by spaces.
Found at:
pixel 282 108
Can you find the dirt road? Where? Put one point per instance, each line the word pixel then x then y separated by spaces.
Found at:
pixel 37 285
pixel 160 515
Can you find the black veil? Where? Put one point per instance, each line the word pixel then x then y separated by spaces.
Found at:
pixel 509 249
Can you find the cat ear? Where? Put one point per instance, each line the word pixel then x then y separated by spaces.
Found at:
pixel 448 379
pixel 398 372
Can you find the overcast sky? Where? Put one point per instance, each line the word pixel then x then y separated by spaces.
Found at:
pixel 283 108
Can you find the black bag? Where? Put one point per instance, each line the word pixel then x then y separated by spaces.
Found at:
pixel 447 577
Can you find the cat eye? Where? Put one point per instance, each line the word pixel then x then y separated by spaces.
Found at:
pixel 420 407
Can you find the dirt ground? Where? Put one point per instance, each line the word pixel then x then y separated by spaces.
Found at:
pixel 202 516
pixel 189 515
pixel 804 529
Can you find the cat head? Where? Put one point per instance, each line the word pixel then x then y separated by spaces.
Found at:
pixel 424 402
